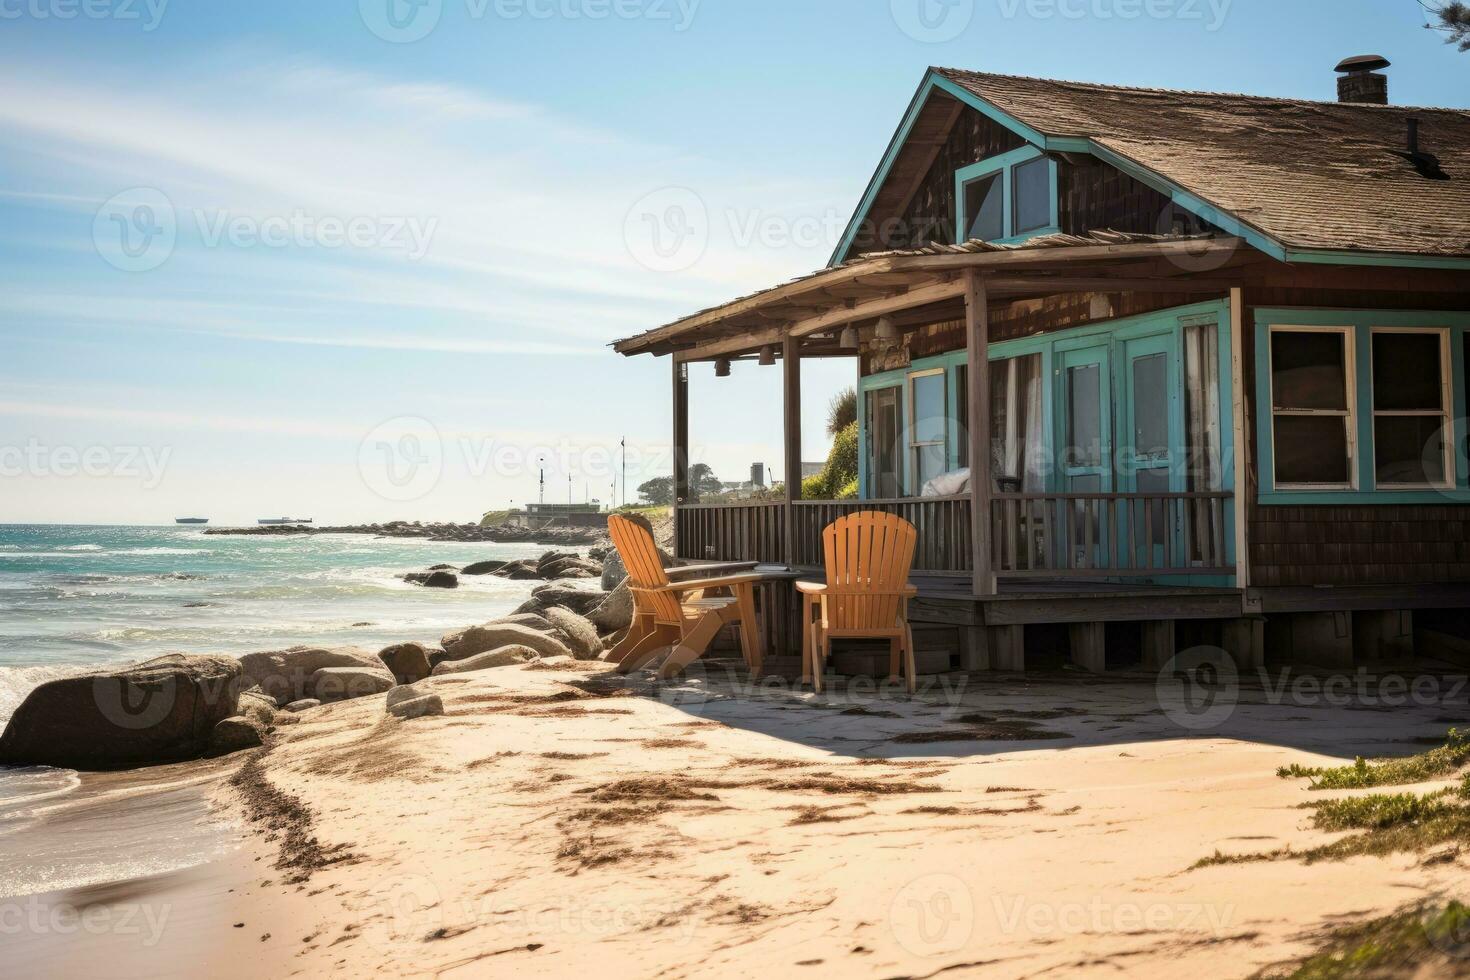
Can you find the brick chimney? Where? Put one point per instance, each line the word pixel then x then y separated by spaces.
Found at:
pixel 1362 80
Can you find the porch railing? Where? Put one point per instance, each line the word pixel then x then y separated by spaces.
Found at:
pixel 1110 535
pixel 1057 535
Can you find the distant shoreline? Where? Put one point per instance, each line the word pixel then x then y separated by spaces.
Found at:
pixel 498 533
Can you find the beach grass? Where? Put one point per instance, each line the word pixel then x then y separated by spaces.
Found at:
pixel 1362 774
pixel 1416 941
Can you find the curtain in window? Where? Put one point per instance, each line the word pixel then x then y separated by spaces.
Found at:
pixel 1204 460
pixel 1017 448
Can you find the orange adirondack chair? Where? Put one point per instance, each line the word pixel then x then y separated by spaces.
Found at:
pixel 867 592
pixel 679 616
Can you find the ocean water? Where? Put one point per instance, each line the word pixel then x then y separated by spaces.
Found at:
pixel 73 598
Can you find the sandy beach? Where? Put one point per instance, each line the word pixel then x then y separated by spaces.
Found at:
pixel 560 819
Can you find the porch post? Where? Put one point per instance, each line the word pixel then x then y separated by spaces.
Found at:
pixel 977 332
pixel 791 407
pixel 1240 434
pixel 681 445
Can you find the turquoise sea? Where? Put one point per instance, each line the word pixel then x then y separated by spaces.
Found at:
pixel 75 597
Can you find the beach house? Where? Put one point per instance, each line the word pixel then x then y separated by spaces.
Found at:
pixel 1145 368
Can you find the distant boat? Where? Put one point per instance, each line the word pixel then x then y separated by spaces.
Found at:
pixel 277 521
pixel 191 520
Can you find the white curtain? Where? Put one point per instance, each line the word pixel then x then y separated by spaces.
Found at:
pixel 1204 463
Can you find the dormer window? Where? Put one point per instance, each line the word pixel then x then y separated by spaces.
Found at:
pixel 1007 198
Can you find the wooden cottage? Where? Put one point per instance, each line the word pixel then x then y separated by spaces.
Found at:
pixel 1157 367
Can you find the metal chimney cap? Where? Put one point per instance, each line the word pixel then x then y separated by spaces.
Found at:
pixel 1363 62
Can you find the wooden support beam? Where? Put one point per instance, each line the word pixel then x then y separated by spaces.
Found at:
pixel 1159 645
pixel 1239 432
pixel 977 333
pixel 791 411
pixel 1007 648
pixel 1065 257
pixel 1245 640
pixel 681 444
pixel 840 317
pixel 1089 646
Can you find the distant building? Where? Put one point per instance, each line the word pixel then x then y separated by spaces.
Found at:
pixel 537 516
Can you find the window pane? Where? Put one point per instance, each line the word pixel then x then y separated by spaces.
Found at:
pixel 1084 397
pixel 1308 370
pixel 883 459
pixel 1409 449
pixel 928 463
pixel 985 208
pixel 1311 449
pixel 1032 202
pixel 1150 407
pixel 1015 423
pixel 929 413
pixel 962 411
pixel 1202 407
pixel 1407 375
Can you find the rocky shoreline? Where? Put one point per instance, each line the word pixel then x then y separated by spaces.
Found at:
pixel 180 707
pixel 434 531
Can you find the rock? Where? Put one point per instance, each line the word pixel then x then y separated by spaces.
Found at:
pixel 616 611
pixel 580 601
pixel 235 735
pixel 613 571
pixel 344 683
pixel 429 704
pixel 285 674
pixel 436 580
pixel 408 662
pixel 443 568
pixel 581 636
pixel 305 704
pixel 258 706
pixel 157 711
pixel 493 636
pixel 482 568
pixel 500 657
pixel 405 692
pixel 570 568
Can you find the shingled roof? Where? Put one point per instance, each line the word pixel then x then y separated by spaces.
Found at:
pixel 1311 175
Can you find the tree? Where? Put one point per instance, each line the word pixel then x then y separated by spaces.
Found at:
pixel 702 480
pixel 659 491
pixel 841 411
pixel 1454 20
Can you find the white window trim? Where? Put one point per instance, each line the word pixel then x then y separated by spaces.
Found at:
pixel 913 424
pixel 1446 387
pixel 1349 417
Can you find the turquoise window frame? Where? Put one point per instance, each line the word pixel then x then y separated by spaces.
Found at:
pixel 1005 165
pixel 1360 324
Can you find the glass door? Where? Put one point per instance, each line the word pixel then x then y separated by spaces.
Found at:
pixel 1085 450
pixel 885 450
pixel 1146 458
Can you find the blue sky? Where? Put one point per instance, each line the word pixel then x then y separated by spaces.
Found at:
pixel 345 251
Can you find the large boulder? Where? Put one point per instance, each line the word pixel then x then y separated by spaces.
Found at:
pixel 235 735
pixel 579 634
pixel 408 662
pixel 616 611
pixel 433 579
pixel 345 683
pixel 482 568
pixel 500 657
pixel 257 705
pixel 493 636
pixel 286 674
pixel 157 711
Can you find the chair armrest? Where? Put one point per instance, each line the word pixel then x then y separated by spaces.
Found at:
pixel 710 568
pixel 811 588
pixel 726 581
pixel 907 592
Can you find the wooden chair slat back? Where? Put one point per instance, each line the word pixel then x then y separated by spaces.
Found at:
pixel 868 557
pixel 646 576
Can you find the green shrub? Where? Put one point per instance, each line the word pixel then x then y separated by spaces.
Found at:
pixel 1363 774
pixel 814 487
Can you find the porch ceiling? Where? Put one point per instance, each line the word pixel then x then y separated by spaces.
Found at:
pixel 931 279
